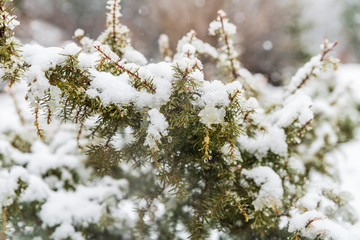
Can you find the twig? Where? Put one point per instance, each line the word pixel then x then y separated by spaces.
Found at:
pixel 218 202
pixel 207 140
pixel 18 110
pixel 243 212
pixel 231 59
pixel 327 50
pixel 114 22
pixel 36 124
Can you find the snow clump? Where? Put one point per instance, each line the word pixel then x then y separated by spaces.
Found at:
pixel 271 190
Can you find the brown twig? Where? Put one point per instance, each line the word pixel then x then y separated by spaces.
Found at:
pixel 309 222
pixel 36 124
pixel 233 97
pixel 243 212
pixel 4 220
pixel 156 161
pixel 327 50
pixel 218 202
pixel 304 80
pixel 308 123
pixel 207 140
pixel 311 73
pixel 17 108
pixel 226 39
pixel 48 120
pixel 112 134
pixel 12 81
pixel 193 34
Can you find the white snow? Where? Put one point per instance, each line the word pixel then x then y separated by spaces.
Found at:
pixel 37 190
pixel 157 129
pixel 297 107
pixel 134 56
pixel 71 208
pixel 9 183
pixel 42 57
pixel 231 153
pixel 273 140
pixel 71 49
pixel 310 200
pixel 297 165
pixel 66 230
pixel 215 99
pixel 111 89
pixel 349 166
pixel 271 190
pixel 200 46
pixel 312 224
pixel 79 33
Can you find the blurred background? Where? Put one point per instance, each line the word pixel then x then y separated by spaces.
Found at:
pixel 274 37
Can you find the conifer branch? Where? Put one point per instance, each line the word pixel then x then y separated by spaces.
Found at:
pixel 98 48
pixel 304 80
pixel 4 219
pixel 235 95
pixel 310 74
pixel 48 119
pixel 18 110
pixel 232 154
pixel 155 160
pixel 243 211
pixel 218 202
pixel 242 188
pixel 37 125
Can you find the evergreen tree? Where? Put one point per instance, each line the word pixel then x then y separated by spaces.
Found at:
pixel 138 150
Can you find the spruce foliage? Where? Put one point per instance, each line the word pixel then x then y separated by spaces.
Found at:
pixel 223 157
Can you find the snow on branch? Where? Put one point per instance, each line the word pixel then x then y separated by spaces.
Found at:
pixel 238 154
pixel 314 67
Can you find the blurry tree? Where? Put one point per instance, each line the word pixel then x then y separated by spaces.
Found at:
pixel 268 31
pixel 351 19
pixel 270 35
pixel 40 17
